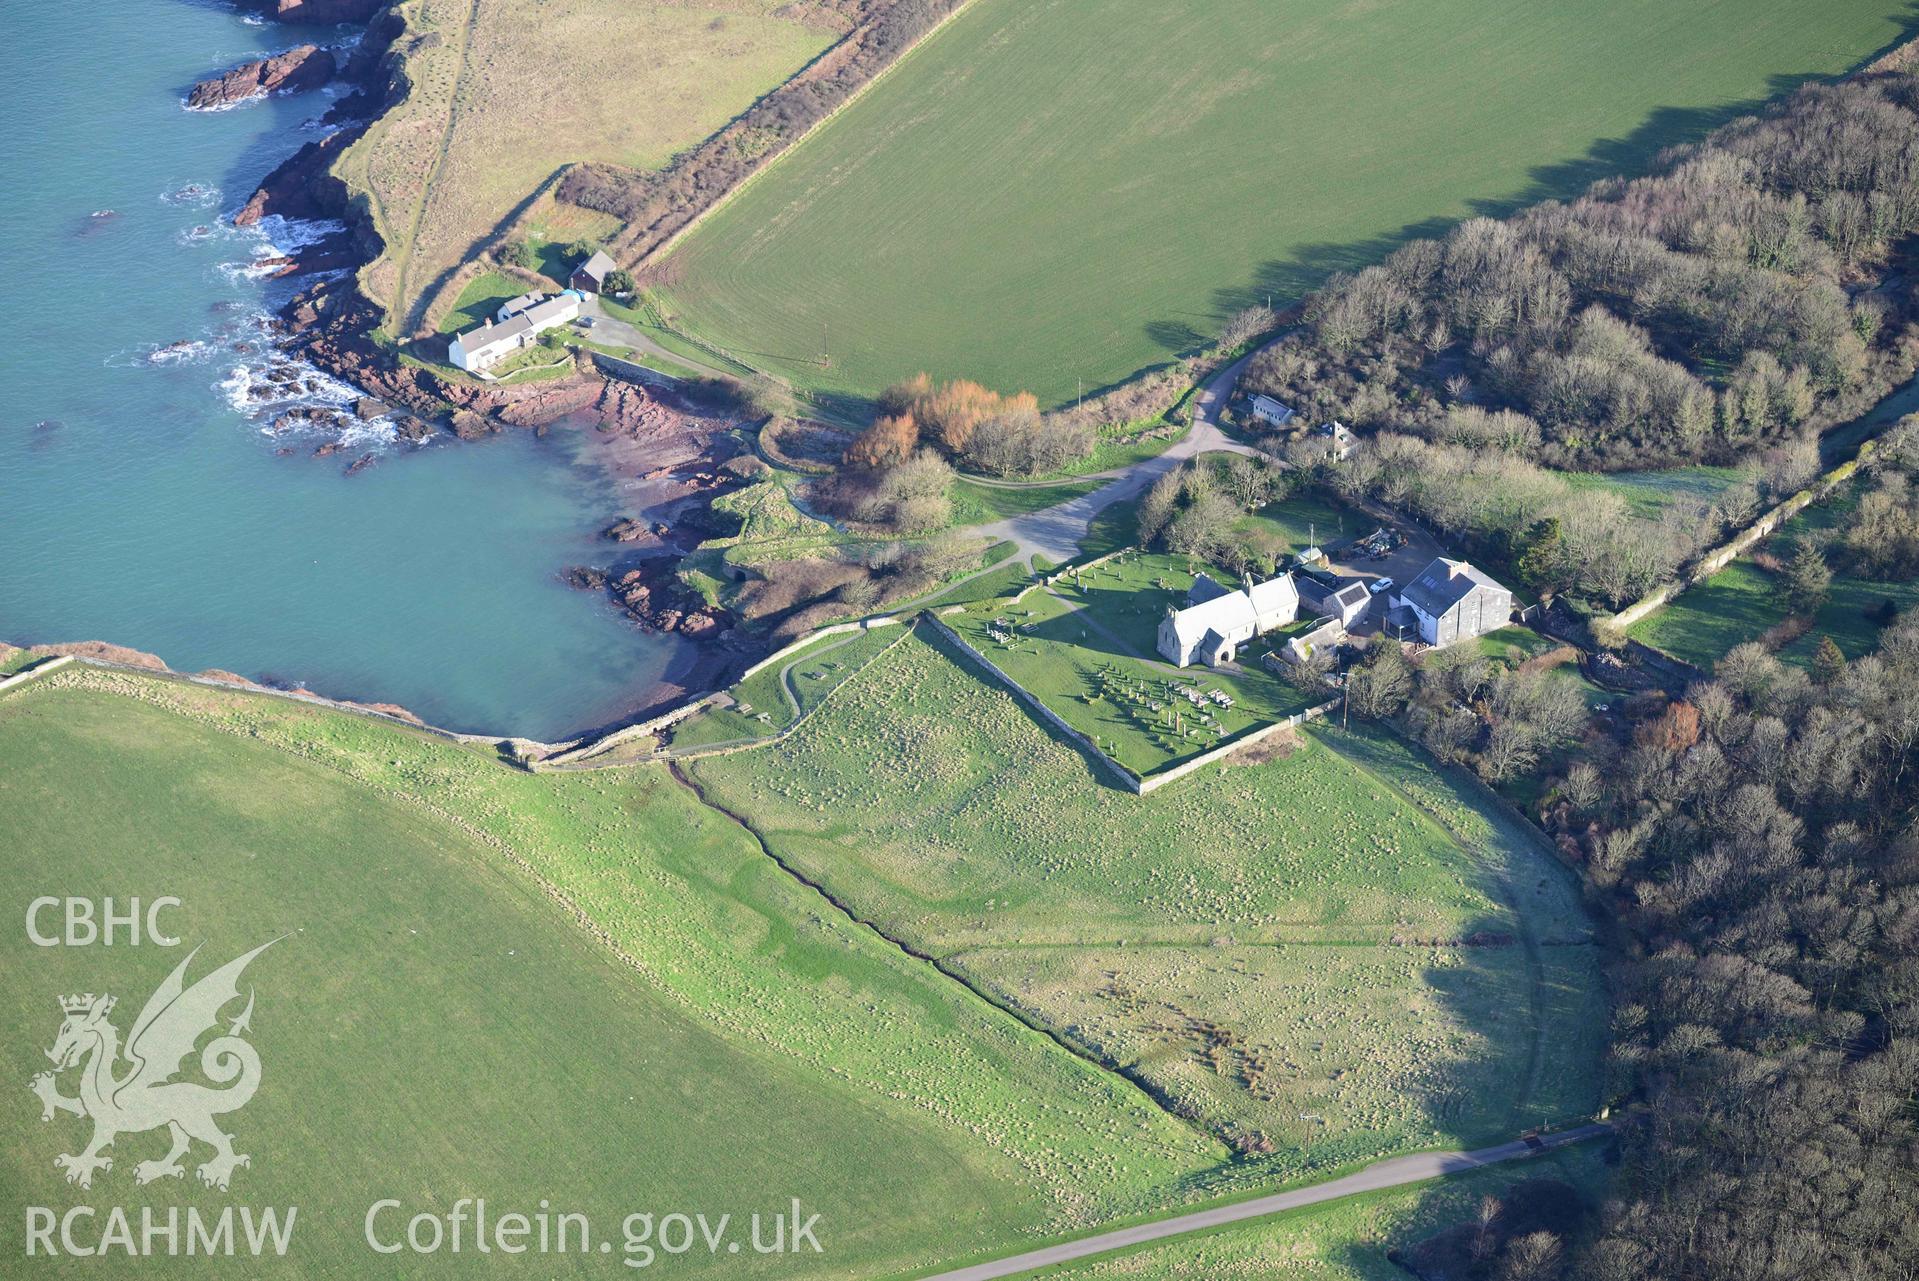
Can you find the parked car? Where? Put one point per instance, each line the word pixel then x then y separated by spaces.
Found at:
pixel 1379 585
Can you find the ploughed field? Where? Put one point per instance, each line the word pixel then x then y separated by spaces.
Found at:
pixel 1056 193
pixel 503 93
pixel 1318 959
pixel 588 988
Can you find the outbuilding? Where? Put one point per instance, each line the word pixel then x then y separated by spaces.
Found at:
pixel 1268 410
pixel 591 275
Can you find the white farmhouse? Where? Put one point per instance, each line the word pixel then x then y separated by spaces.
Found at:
pixel 1452 601
pixel 482 348
pixel 1266 409
pixel 1217 623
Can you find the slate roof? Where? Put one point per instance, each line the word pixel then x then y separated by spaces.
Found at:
pixel 1443 584
pixel 1231 611
pixel 1274 594
pixel 1206 588
pixel 476 340
pixel 596 267
pixel 515 306
pixel 1222 614
pixel 1266 406
pixel 550 312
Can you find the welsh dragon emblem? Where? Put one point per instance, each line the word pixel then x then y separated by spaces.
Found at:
pixel 141 1092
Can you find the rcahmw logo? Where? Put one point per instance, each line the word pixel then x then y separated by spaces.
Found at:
pixel 132 1087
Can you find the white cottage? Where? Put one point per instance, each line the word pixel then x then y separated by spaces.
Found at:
pixel 482 348
pixel 1217 623
pixel 1268 410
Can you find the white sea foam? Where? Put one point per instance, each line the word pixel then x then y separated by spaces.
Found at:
pixel 254 269
pixel 184 352
pixel 230 105
pixel 289 235
pixel 202 233
pixel 194 195
pixel 264 386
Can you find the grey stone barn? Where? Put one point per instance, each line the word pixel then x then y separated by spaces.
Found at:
pixel 1217 623
pixel 1452 601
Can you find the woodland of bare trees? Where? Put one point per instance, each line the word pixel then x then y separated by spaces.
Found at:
pixel 1756 844
pixel 1195 509
pixel 1754 850
pixel 1745 294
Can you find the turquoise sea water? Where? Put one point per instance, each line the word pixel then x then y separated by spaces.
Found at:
pixel 138 506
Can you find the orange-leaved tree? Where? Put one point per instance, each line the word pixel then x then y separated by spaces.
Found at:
pixel 888 442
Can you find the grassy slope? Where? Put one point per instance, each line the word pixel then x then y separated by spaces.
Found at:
pixel 479 300
pixel 1230 940
pixel 754 1046
pixel 514 89
pixel 1732 607
pixel 976 504
pixel 1053 190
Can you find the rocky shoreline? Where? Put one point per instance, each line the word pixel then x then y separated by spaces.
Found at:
pixel 298 70
pixel 666 450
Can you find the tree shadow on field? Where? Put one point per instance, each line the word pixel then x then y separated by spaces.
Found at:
pixel 1507 980
pixel 1281 281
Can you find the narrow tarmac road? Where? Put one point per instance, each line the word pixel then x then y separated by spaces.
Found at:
pixel 1391 1173
pixel 1055 532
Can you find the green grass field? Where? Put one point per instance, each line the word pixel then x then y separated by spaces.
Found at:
pixel 479 300
pixel 1056 192
pixel 1649 493
pixel 586 987
pixel 977 504
pixel 764 702
pixel 1306 518
pixel 1742 602
pixel 500 95
pixel 1732 607
pixel 1271 949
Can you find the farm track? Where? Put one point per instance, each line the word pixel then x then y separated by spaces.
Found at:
pixel 1056 532
pixel 940 965
pixel 1390 1173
